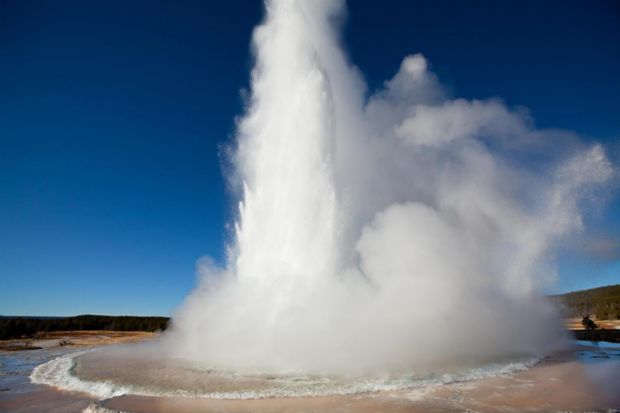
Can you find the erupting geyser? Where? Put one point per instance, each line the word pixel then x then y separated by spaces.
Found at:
pixel 386 231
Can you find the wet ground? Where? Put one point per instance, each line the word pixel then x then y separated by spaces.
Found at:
pixel 583 379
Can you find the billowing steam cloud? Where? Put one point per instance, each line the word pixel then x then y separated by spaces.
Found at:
pixel 387 232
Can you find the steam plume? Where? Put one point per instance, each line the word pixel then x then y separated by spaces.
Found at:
pixel 382 232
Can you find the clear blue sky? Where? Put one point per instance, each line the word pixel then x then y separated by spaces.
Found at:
pixel 112 114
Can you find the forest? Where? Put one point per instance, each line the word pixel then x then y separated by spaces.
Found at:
pixel 602 303
pixel 26 327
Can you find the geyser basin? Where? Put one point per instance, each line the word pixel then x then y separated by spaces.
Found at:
pixel 106 373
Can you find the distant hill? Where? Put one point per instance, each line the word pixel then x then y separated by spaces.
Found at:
pixel 22 327
pixel 602 302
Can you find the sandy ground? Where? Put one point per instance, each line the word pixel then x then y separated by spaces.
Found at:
pixel 575 324
pixel 17 394
pixel 74 338
pixel 560 383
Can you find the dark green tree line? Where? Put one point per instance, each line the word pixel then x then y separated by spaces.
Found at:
pixel 602 302
pixel 22 327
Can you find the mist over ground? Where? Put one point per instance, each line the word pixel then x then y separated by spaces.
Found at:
pixel 382 231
